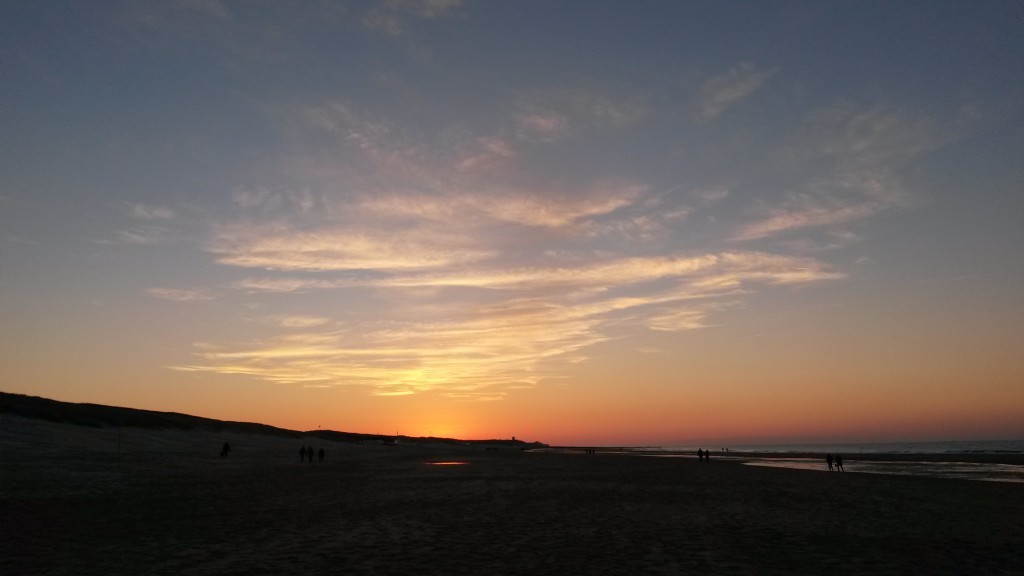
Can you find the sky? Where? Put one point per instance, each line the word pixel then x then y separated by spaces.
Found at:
pixel 576 222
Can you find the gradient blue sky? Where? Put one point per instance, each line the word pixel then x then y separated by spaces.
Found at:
pixel 576 222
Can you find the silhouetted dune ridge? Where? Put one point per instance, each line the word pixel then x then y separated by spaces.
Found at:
pixel 102 416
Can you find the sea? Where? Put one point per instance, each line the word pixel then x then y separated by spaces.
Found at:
pixel 971 460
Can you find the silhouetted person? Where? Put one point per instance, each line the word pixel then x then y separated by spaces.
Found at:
pixel 321 454
pixel 309 452
pixel 700 455
pixel 224 450
pixel 707 456
pixel 828 458
pixel 839 463
pixel 302 454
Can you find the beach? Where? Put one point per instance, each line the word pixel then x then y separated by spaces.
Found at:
pixel 81 500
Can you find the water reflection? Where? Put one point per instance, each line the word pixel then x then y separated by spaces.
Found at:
pixel 966 470
pixel 448 463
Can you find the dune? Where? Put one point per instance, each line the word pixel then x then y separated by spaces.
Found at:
pixel 101 500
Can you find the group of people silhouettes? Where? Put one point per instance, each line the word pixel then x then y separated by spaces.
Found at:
pixel 838 462
pixel 308 452
pixel 704 455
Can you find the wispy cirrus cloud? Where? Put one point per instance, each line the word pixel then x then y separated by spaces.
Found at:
pixel 138 235
pixel 481 283
pixel 515 329
pixel 295 321
pixel 477 358
pixel 400 230
pixel 148 212
pixel 492 152
pixel 226 30
pixel 392 16
pixel 729 88
pixel 477 352
pixel 533 208
pixel 806 211
pixel 279 247
pixel 847 162
pixel 709 196
pixel 551 115
pixel 182 294
pixel 727 268
pixel 723 268
pixel 153 230
pixel 545 127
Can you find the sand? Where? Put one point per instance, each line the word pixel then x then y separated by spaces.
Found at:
pixel 165 503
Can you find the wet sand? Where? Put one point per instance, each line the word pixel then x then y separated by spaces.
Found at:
pixel 165 503
pixel 1012 458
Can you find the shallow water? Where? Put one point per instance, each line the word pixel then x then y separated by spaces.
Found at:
pixel 964 470
pixel 944 447
pixel 902 456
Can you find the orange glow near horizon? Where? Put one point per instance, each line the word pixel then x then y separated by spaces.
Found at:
pixel 711 388
pixel 683 418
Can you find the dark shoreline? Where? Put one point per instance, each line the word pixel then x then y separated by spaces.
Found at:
pixel 1011 458
pixel 969 457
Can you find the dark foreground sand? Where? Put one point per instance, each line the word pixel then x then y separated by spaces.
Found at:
pixel 71 504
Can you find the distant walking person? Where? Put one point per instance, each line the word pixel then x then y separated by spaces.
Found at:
pixel 302 454
pixel 700 455
pixel 839 463
pixel 224 450
pixel 828 458
pixel 321 455
pixel 309 452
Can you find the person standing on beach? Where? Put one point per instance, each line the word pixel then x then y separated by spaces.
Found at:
pixel 839 463
pixel 700 455
pixel 828 458
pixel 302 454
pixel 321 455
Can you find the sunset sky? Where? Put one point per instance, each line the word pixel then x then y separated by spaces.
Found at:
pixel 579 222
